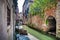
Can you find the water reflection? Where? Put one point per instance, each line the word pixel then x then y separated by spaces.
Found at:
pixel 22 37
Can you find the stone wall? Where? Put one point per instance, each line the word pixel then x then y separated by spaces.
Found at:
pixel 3 21
pixel 6 33
pixel 58 20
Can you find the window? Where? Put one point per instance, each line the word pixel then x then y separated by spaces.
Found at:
pixel 8 16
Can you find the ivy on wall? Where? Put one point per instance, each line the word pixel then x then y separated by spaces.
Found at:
pixel 39 6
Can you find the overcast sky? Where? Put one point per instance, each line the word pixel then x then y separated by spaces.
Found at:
pixel 20 4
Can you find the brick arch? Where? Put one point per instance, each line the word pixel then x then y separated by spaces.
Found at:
pixel 51 23
pixel 54 16
pixel 50 16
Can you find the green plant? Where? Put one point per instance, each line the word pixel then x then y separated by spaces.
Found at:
pixel 38 6
pixel 46 22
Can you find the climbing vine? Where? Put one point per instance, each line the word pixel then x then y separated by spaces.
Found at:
pixel 38 7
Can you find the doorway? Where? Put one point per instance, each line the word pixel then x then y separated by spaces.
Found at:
pixel 51 24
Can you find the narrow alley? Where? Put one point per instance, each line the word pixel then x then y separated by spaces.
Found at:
pixel 29 19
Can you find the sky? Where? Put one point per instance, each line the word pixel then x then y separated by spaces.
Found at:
pixel 20 4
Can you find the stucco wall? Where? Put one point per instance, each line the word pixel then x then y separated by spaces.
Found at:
pixel 4 35
pixel 3 23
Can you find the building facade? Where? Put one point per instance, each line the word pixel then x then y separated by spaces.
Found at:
pixel 26 9
pixel 21 15
pixel 6 19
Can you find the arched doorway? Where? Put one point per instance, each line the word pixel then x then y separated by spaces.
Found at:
pixel 51 23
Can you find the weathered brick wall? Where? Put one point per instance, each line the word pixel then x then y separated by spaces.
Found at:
pixel 50 12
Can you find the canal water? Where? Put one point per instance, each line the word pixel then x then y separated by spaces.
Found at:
pixel 22 37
